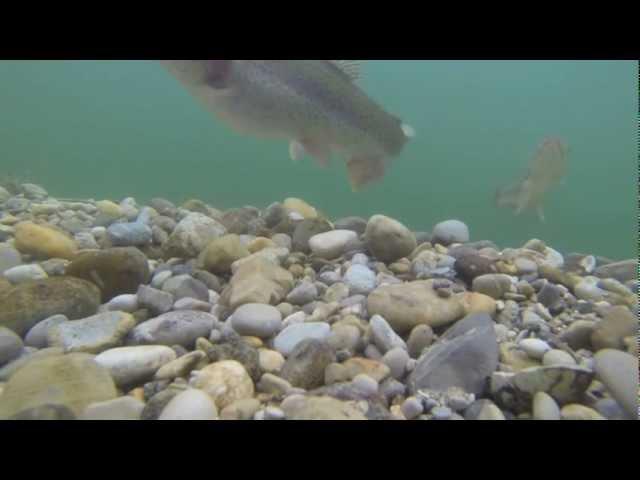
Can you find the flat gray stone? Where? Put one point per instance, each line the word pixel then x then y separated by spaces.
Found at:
pixel 618 371
pixel 173 328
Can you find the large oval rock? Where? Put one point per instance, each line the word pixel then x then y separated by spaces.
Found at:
pixel 9 258
pixel 331 244
pixel 43 241
pixel 74 380
pixel 24 305
pixel 10 345
pixel 291 336
pixel 388 239
pixel 134 365
pixel 173 328
pixel 618 371
pixel 93 334
pixel 406 305
pixel 257 320
pixel 465 357
pixel 115 271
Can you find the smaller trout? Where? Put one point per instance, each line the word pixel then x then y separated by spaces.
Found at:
pixel 314 104
pixel 546 171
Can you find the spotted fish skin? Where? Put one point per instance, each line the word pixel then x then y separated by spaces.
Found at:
pixel 314 104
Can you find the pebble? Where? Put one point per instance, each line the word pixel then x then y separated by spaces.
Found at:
pixel 360 279
pixel 442 413
pixel 365 385
pixel 618 371
pixel 557 357
pixel 243 409
pixel 273 413
pixel 159 278
pixel 134 365
pixel 124 303
pixel 129 234
pixel 93 334
pixel 290 336
pixel 579 412
pixel 191 404
pixel 330 245
pixel 420 338
pixel 270 361
pixel 545 407
pixel 304 293
pixel 10 345
pixel 258 320
pixel 156 301
pixel 411 408
pixel 274 385
pixel 226 381
pixel 173 328
pixel 37 336
pixel 383 335
pixel 396 359
pixel 192 304
pixel 451 231
pixel 534 347
pixel 185 286
pixel 25 273
pixel 389 240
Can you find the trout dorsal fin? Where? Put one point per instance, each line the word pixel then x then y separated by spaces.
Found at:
pixel 351 68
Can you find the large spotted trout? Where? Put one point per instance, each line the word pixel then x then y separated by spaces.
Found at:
pixel 314 104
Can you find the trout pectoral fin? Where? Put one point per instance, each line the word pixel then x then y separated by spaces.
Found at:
pixel 320 153
pixel 296 150
pixel 364 170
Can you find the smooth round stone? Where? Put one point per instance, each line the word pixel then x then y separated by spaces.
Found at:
pixel 389 240
pixel 618 371
pixel 24 273
pixel 411 408
pixel 441 413
pixel 396 359
pixel 93 334
pixel 9 258
pixel 534 347
pixel 122 408
pixel 159 278
pixel 365 385
pixel 181 327
pixel 490 411
pixel 451 231
pixel 545 407
pixel 181 366
pixel 74 380
pixel 384 337
pixel 257 320
pixel 134 365
pixel 304 293
pixel 332 244
pixel 360 279
pixel 575 411
pixel 10 345
pixel 37 336
pixel 286 341
pixel 191 404
pixel 420 338
pixel 557 357
pixel 124 303
pixel 129 234
pixel 273 413
pixel 270 361
pixel 243 409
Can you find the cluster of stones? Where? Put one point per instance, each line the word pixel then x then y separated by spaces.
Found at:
pixel 119 311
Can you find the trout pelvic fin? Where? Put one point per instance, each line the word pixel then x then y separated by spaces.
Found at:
pixel 364 170
pixel 298 148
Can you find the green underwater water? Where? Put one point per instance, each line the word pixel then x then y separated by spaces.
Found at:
pixel 112 129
